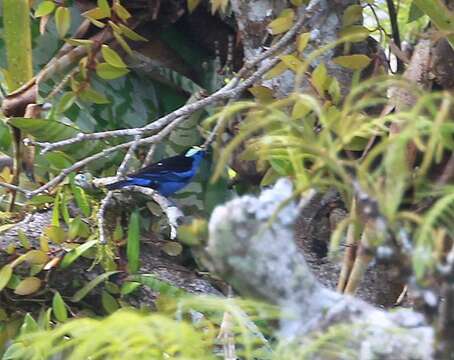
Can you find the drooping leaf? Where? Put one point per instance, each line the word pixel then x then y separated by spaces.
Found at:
pixel 109 303
pixel 282 23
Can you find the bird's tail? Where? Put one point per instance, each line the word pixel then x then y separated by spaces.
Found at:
pixel 118 185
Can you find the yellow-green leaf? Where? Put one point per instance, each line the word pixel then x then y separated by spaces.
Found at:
pixel 133 244
pixel 353 62
pixel 172 248
pixel 109 72
pixel 45 8
pixel 112 57
pixel 352 14
pixel 262 93
pixel 282 23
pixel 62 21
pixel 122 13
pixel 36 257
pixel 319 78
pixel 192 4
pixel 28 286
pixel 105 7
pixel 292 62
pixel 276 71
pixel 93 96
pixel 122 42
pixel 5 275
pixel 355 33
pixel 55 233
pixel 130 34
pixel 109 303
pixel 59 308
pixel 302 41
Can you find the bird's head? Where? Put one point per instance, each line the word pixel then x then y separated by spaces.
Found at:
pixel 84 180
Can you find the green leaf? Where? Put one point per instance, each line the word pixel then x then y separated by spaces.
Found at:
pixel 128 287
pixel 112 57
pixel 16 351
pixel 56 211
pixel 66 101
pixel 81 199
pixel 74 254
pixel 415 13
pixel 41 199
pixel 352 14
pixel 28 286
pixel 45 8
pixel 109 303
pixel 23 239
pixel 80 294
pixel 172 248
pixel 353 62
pixel 55 233
pixel 122 13
pixel 93 96
pixel 302 41
pixel 109 72
pixel 130 34
pixel 29 325
pixel 122 42
pixel 59 308
pixel 319 78
pixel 62 20
pixel 51 131
pixel 5 276
pixel 133 243
pixel 104 6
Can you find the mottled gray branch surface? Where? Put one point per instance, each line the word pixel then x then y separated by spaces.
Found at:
pixel 260 259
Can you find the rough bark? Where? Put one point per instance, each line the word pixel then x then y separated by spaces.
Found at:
pixel 261 259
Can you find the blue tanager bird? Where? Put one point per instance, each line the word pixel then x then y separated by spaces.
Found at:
pixel 168 175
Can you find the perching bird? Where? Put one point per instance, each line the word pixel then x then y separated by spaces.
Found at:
pixel 166 176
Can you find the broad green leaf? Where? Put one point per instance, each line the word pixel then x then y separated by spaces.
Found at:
pixel 353 62
pixel 59 308
pixel 415 13
pixel 5 276
pixel 23 239
pixel 28 286
pixel 112 57
pixel 96 14
pixel 282 23
pixel 262 93
pixel 80 294
pixel 74 254
pixel 164 288
pixel 50 130
pixel 133 244
pixel 45 8
pixel 41 199
pixel 62 20
pixel 109 303
pixel 16 351
pixel 109 72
